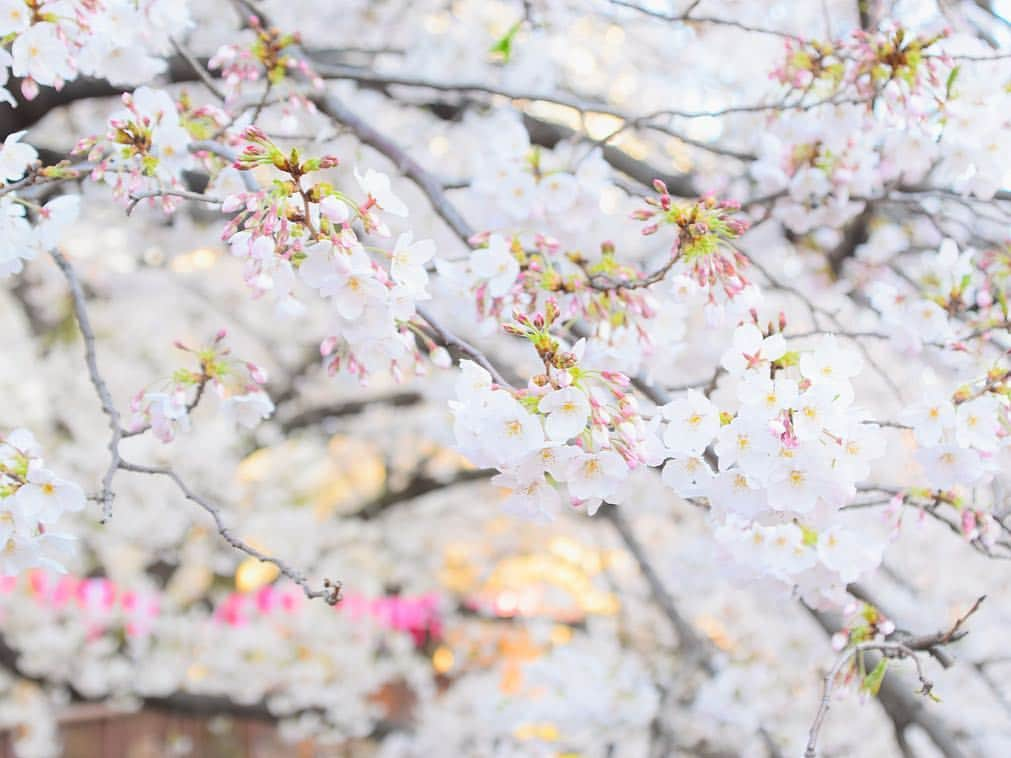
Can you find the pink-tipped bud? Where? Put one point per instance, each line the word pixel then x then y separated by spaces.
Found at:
pixel 256 373
pixel 255 134
pixel 327 346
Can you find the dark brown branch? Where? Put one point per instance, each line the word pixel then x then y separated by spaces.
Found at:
pixel 313 416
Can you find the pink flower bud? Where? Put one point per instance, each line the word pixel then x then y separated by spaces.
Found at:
pixel 256 373
pixel 327 346
pixel 232 203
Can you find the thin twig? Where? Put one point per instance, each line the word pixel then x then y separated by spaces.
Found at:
pixel 106 494
pixel 331 591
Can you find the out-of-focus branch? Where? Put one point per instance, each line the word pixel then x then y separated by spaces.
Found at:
pixel 420 484
pixel 693 646
pixel 313 416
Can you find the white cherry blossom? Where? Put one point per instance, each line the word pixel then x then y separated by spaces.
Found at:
pixel 567 412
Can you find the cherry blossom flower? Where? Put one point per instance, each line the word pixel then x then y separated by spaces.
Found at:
pixel 689 477
pixel 567 412
pixel 45 497
pixel 248 410
pixel 947 466
pixel 848 553
pixel 531 497
pixel 750 349
pixel 497 265
pixel 931 417
pixel 977 423
pixel 595 476
pixel 830 361
pixel 15 157
pixel 409 259
pixel 378 187
pixel 693 422
pixel 41 56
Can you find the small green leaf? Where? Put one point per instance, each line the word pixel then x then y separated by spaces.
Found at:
pixel 872 682
pixel 503 46
pixel 951 82
pixel 790 358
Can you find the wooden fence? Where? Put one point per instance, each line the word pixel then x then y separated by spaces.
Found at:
pixel 95 731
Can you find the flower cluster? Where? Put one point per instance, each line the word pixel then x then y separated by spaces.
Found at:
pixel 777 471
pixel 302 226
pixel 147 145
pixel 32 500
pixel 570 424
pixel 701 250
pixel 829 166
pixel 528 187
pixel 238 383
pixel 961 434
pixel 20 240
pixel 889 63
pixel 952 298
pixel 821 170
pixel 272 54
pixel 52 42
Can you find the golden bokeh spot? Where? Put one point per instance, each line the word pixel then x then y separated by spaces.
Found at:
pixel 443 659
pixel 252 574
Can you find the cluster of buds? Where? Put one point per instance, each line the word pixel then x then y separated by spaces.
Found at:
pixel 991 296
pixel 537 329
pixel 286 212
pixel 892 56
pixel 261 151
pixel 865 62
pixel 996 382
pixel 865 623
pixel 32 500
pixel 147 144
pixel 703 226
pixel 612 418
pixel 702 246
pixel 273 54
pixel 165 409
